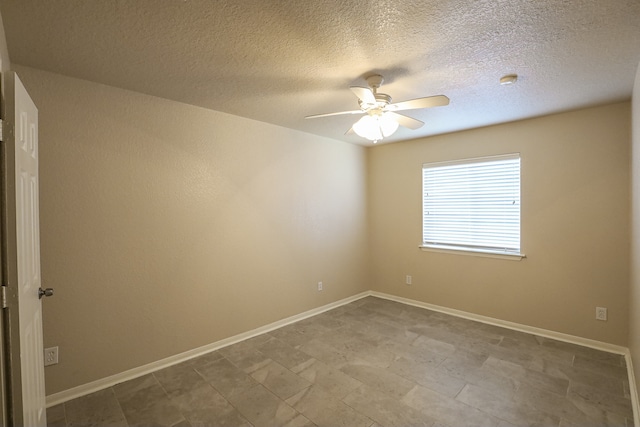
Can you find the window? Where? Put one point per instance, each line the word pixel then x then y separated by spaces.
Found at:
pixel 472 205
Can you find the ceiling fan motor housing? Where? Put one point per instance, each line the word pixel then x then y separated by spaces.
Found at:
pixel 382 100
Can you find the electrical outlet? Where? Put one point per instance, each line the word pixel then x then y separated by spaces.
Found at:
pixel 601 313
pixel 408 280
pixel 50 356
pixel 319 286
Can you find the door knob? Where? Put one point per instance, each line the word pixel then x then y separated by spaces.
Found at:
pixel 45 292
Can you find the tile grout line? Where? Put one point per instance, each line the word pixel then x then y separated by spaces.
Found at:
pixel 222 395
pixel 153 374
pixel 124 416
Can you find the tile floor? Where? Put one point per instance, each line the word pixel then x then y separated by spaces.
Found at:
pixel 373 363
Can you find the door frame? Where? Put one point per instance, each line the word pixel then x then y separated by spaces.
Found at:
pixel 11 374
pixel 4 403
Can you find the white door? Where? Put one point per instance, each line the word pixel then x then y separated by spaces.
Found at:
pixel 27 360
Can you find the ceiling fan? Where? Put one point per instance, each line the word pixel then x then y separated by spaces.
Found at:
pixel 380 118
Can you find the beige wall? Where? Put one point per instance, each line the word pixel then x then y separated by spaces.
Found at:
pixel 5 64
pixel 575 224
pixel 4 52
pixel 634 297
pixel 165 227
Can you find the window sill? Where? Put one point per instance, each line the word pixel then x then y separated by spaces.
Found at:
pixel 473 252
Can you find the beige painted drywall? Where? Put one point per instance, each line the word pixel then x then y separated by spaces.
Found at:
pixel 634 296
pixel 5 64
pixel 575 224
pixel 165 227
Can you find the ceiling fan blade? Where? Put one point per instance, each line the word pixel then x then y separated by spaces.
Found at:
pixel 427 102
pixel 334 114
pixel 408 122
pixel 364 94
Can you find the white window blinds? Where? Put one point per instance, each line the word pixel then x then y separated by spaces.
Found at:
pixel 472 204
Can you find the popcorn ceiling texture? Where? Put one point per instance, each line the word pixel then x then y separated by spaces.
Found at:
pixel 281 60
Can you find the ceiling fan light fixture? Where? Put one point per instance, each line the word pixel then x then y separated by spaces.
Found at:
pixel 374 127
pixel 388 124
pixel 368 127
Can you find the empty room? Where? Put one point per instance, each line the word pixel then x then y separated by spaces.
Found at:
pixel 320 213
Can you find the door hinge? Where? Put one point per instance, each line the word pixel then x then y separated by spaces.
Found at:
pixel 1 123
pixel 4 296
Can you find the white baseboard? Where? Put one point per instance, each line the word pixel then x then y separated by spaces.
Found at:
pixel 85 389
pixel 103 383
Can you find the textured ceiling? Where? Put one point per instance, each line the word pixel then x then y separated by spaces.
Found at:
pixel 277 61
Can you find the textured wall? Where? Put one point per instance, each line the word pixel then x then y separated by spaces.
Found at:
pixel 4 52
pixel 575 224
pixel 165 227
pixel 634 297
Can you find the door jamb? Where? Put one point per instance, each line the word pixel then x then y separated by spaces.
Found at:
pixel 11 376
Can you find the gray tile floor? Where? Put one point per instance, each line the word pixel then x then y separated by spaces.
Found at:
pixel 373 363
